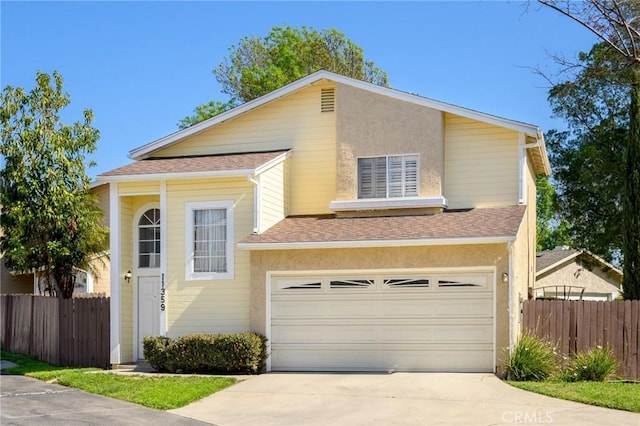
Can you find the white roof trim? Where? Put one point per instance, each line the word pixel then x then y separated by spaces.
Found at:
pixel 100 180
pixel 387 203
pixel 145 150
pixel 274 162
pixel 376 243
pixel 182 175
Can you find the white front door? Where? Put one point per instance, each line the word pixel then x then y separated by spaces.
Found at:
pixel 148 295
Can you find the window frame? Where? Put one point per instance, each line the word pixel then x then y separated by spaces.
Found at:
pixel 157 243
pixel 388 183
pixel 190 208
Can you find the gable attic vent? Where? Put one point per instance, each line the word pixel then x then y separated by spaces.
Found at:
pixel 327 100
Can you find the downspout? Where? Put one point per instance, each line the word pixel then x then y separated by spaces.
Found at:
pixel 511 310
pixel 256 202
pixel 522 158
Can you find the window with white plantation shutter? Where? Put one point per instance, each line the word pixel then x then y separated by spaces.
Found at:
pixel 388 177
pixel 410 176
pixel 373 177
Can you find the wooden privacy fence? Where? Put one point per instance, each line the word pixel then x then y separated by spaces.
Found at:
pixel 580 325
pixel 67 332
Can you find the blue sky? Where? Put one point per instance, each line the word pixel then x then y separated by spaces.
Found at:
pixel 142 66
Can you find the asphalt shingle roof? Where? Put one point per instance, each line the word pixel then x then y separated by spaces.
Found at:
pixel 205 163
pixel 479 222
pixel 546 258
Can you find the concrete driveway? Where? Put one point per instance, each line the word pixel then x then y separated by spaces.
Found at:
pixel 391 399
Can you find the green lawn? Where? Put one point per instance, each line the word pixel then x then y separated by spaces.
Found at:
pixel 618 395
pixel 160 392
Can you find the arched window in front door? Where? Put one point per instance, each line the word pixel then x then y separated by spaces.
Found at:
pixel 149 239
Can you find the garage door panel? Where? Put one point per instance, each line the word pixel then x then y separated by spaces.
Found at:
pixel 410 358
pixel 476 333
pixel 434 333
pixel 382 333
pixel 425 306
pixel 293 334
pixel 295 309
pixel 422 306
pixel 327 359
pixel 382 324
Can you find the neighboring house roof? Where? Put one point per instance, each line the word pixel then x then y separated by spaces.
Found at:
pixel 550 259
pixel 547 259
pixel 540 158
pixel 198 165
pixel 490 225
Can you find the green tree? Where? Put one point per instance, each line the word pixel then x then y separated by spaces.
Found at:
pixel 616 23
pixel 205 111
pixel 587 159
pixel 258 65
pixel 49 218
pixel 551 230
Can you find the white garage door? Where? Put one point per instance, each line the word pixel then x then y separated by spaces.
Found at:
pixel 383 322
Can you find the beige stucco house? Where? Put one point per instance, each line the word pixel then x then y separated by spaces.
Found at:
pixel 356 226
pixel 572 274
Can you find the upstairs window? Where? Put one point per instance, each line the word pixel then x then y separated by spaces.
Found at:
pixel 388 177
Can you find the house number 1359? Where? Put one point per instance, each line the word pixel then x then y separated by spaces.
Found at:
pixel 162 293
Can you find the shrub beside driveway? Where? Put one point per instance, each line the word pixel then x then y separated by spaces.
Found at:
pixel 534 365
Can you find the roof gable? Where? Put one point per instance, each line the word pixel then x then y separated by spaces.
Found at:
pixel 549 260
pixel 530 130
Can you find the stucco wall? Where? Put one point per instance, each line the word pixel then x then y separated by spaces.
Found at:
pixel 381 258
pixel 520 278
pixel 373 125
pixel 594 280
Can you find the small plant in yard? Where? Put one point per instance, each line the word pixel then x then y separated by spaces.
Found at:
pixel 597 364
pixel 532 359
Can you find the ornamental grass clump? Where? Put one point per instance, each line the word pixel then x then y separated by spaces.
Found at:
pixel 597 365
pixel 532 359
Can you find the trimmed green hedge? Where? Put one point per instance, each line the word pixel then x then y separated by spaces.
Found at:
pixel 243 353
